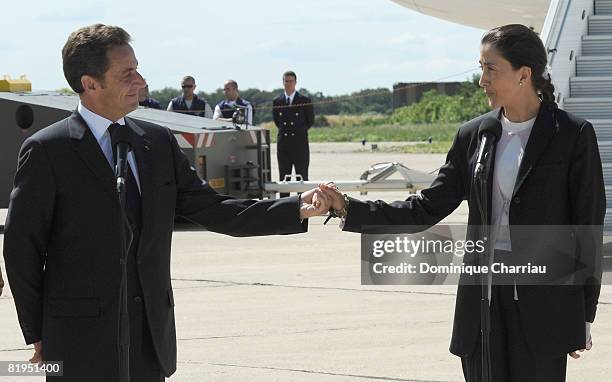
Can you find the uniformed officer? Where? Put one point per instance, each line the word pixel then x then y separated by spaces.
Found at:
pixel 293 115
pixel 145 100
pixel 225 109
pixel 189 102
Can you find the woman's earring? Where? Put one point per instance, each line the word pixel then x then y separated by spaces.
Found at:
pixel 521 82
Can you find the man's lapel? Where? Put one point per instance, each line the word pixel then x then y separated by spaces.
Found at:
pixel 144 160
pixel 85 144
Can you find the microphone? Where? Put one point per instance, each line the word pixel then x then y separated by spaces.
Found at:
pixel 489 133
pixel 24 116
pixel 122 140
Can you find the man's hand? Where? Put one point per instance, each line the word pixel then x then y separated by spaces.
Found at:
pixel 38 356
pixel 313 203
pixel 336 197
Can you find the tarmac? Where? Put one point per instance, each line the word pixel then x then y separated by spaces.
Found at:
pixel 292 308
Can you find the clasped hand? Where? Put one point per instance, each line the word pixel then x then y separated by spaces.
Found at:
pixel 320 200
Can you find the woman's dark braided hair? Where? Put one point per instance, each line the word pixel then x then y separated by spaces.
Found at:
pixel 521 46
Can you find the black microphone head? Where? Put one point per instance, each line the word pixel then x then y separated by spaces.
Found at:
pixel 491 126
pixel 24 116
pixel 123 134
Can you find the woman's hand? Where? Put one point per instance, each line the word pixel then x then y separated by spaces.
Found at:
pixel 575 355
pixel 589 343
pixel 335 196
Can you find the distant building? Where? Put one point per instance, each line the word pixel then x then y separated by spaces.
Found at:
pixel 407 93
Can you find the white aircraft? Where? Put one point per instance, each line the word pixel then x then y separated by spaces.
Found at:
pixel 483 14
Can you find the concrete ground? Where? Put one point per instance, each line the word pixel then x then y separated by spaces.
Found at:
pixel 291 308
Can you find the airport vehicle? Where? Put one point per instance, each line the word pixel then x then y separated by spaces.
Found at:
pixel 234 159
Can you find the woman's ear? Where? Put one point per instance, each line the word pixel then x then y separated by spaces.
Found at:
pixel 525 74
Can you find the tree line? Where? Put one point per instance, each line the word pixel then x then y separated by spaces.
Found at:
pixel 377 101
pixel 432 107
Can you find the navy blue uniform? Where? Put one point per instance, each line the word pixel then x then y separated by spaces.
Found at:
pixel 293 122
pixel 227 109
pixel 150 103
pixel 198 106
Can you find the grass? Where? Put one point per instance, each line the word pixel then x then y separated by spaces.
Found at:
pixel 376 128
pixel 420 148
pixel 382 133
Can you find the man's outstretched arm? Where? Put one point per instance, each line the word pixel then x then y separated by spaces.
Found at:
pixel 198 202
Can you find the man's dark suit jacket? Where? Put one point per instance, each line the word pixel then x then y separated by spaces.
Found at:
pixel 293 121
pixel 62 240
pixel 559 183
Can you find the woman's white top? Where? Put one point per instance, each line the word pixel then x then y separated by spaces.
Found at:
pixel 508 157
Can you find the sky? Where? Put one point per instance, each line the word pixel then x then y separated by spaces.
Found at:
pixel 334 46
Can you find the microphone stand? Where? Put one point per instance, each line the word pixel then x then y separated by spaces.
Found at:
pixel 123 336
pixel 481 182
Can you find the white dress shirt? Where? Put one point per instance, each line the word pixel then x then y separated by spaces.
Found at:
pixel 99 127
pixel 290 97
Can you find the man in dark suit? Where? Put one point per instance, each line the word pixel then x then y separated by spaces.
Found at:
pixel 293 115
pixel 62 242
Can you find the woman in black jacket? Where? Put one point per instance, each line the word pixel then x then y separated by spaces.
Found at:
pixel 546 172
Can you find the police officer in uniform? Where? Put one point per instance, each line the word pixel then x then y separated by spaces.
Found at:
pixel 224 111
pixel 145 100
pixel 293 115
pixel 189 102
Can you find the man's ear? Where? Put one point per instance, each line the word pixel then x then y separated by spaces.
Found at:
pixel 90 83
